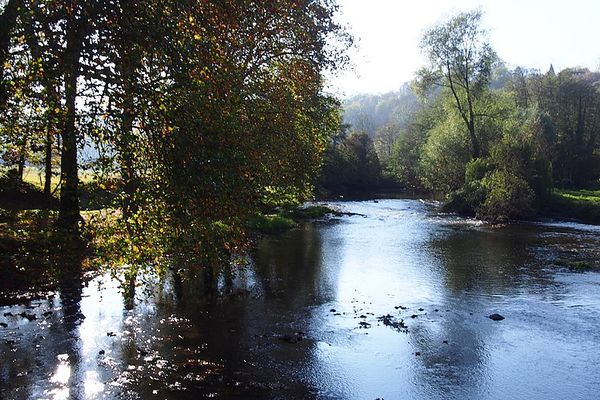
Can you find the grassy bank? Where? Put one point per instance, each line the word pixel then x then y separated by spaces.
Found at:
pixel 285 220
pixel 583 205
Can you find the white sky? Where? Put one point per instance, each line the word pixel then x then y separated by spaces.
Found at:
pixel 529 33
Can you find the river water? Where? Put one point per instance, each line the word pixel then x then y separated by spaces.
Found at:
pixel 392 303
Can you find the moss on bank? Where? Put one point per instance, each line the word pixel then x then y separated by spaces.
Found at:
pixel 288 219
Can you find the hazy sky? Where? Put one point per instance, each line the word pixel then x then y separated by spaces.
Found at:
pixel 530 33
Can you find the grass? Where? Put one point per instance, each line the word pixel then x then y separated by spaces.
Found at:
pixel 278 223
pixel 271 224
pixel 582 195
pixel 28 194
pixel 583 204
pixel 35 177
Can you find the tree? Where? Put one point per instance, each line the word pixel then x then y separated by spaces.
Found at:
pixel 8 20
pixel 460 60
pixel 384 140
pixel 351 165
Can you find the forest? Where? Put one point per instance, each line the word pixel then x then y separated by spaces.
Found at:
pixel 495 142
pixel 196 114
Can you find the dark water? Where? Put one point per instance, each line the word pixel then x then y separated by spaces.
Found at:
pixel 274 333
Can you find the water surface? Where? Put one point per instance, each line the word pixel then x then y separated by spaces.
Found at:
pixel 305 319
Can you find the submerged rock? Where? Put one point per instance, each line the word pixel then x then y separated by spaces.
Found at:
pixel 496 317
pixel 390 321
pixel 29 317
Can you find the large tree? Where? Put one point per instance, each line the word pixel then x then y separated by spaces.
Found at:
pixel 460 60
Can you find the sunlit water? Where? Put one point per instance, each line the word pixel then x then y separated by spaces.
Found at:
pixel 304 319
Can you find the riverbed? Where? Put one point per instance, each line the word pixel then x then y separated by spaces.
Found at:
pixel 391 301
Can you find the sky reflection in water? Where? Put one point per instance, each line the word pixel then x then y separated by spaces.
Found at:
pixel 305 319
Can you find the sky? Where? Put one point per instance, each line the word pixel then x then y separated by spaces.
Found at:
pixel 528 33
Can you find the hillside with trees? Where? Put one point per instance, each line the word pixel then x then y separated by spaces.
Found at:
pixel 493 141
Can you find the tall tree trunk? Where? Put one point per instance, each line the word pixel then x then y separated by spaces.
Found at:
pixel 128 65
pixel 48 162
pixel 69 215
pixel 52 99
pixel 8 19
pixel 127 137
pixel 21 162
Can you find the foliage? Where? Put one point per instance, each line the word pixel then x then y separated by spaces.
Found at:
pixel 444 156
pixel 460 60
pixel 370 112
pixel 351 165
pixel 408 146
pixel 200 111
pixel 508 197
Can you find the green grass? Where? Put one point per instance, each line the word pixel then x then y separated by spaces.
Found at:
pixel 583 204
pixel 28 194
pixel 271 224
pixel 35 176
pixel 582 195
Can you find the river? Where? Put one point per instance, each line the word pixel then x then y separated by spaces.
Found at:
pixel 390 303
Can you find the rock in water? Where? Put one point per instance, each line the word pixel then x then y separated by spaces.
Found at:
pixel 496 317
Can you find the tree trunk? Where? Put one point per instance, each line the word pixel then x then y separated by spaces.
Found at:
pixel 8 20
pixel 128 65
pixel 475 147
pixel 48 162
pixel 69 215
pixel 21 163
pixel 126 139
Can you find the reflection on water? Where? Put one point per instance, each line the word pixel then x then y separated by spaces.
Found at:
pixel 306 319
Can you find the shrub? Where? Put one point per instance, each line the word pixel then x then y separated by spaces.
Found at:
pixel 270 224
pixel 508 197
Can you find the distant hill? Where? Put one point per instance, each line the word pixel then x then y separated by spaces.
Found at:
pixel 369 112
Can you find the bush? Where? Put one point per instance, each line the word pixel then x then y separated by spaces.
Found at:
pixel 477 169
pixel 270 224
pixel 310 212
pixel 466 200
pixel 508 197
pixel 444 157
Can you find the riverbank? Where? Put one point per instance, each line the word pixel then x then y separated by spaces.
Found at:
pixel 34 253
pixel 582 205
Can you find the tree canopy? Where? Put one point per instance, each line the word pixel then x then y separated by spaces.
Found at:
pixel 200 111
pixel 460 60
